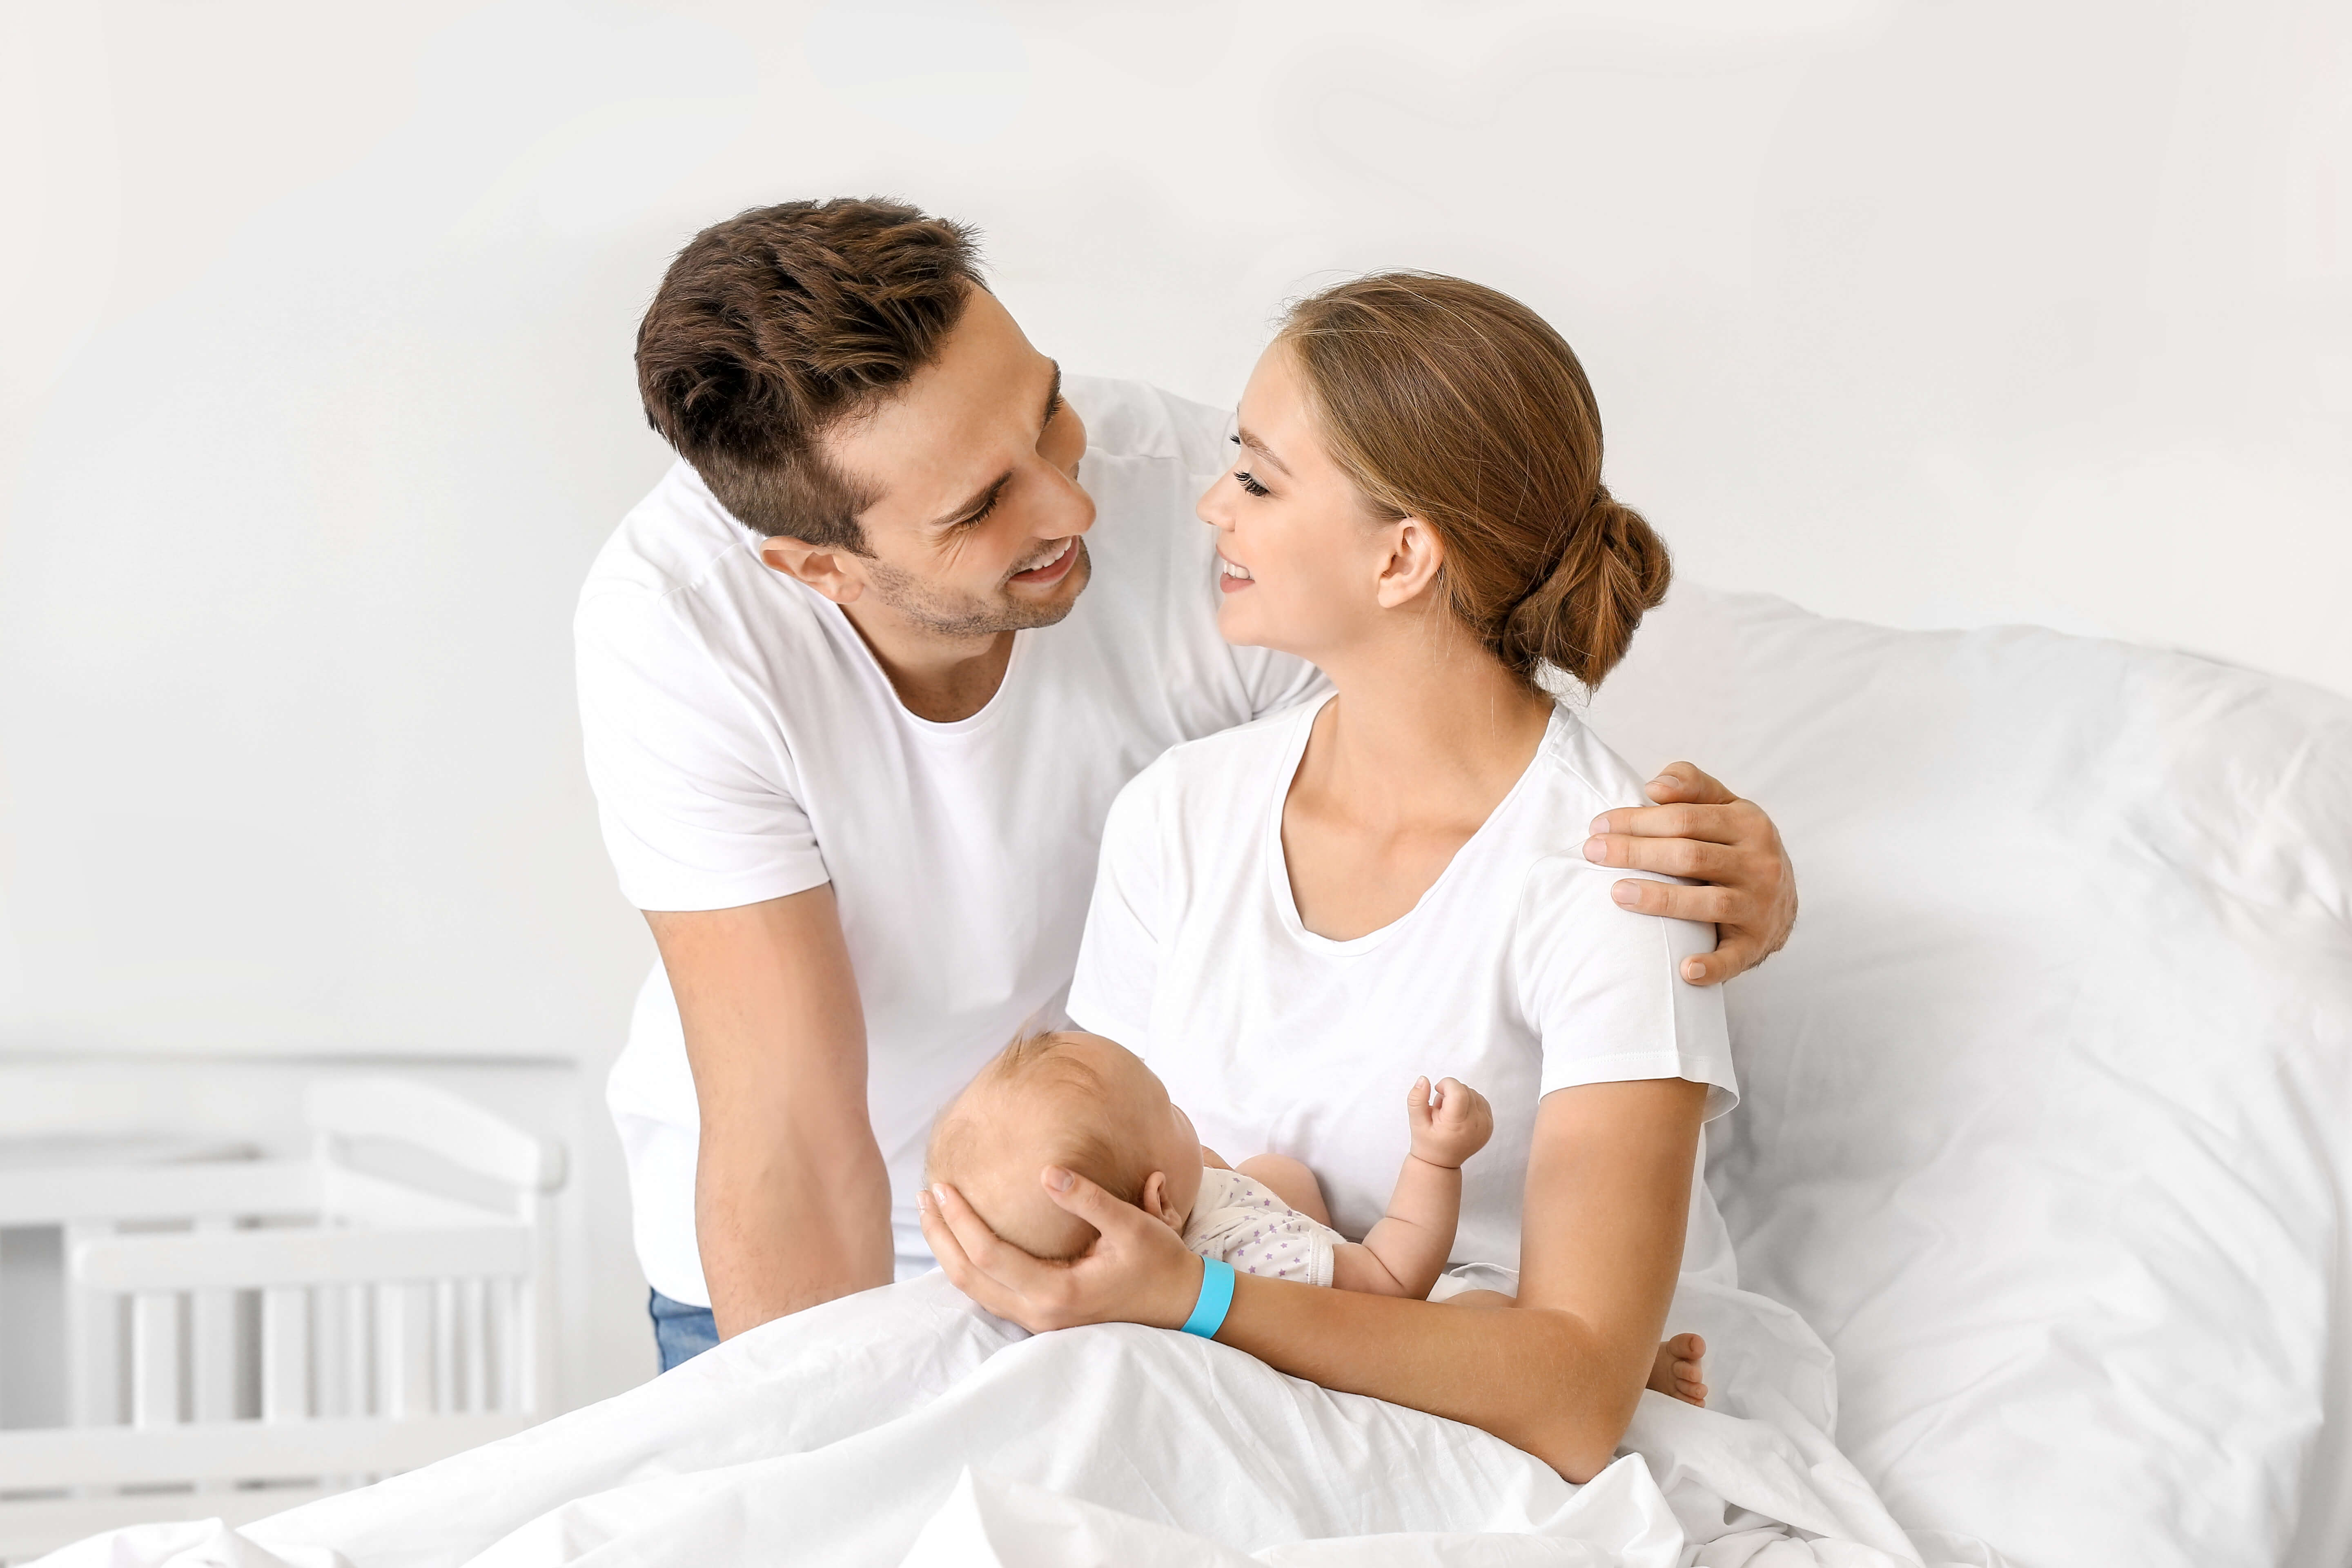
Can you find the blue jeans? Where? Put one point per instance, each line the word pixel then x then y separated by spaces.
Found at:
pixel 681 1332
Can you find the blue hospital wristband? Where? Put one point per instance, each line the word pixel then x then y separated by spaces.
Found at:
pixel 1216 1299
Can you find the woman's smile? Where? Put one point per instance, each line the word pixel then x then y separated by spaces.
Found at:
pixel 1231 577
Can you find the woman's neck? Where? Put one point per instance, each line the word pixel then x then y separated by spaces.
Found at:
pixel 1425 729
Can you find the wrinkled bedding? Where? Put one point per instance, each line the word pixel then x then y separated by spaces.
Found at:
pixel 908 1425
pixel 2047 1133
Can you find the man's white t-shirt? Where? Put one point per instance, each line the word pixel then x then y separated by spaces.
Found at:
pixel 1515 972
pixel 744 744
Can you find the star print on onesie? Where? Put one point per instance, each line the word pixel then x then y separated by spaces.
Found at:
pixel 1239 1221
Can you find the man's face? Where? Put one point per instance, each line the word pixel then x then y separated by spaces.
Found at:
pixel 977 524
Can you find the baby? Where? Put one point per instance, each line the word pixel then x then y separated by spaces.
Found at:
pixel 1089 1105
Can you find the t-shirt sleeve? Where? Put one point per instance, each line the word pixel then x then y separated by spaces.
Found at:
pixel 693 790
pixel 1118 956
pixel 1604 988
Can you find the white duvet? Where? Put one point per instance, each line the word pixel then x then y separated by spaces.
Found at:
pixel 2047 1132
pixel 906 1425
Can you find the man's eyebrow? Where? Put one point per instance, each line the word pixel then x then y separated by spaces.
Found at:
pixel 1053 397
pixel 986 499
pixel 1262 449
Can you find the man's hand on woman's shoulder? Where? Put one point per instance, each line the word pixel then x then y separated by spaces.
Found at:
pixel 1702 831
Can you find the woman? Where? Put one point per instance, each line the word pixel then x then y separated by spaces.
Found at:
pixel 1296 919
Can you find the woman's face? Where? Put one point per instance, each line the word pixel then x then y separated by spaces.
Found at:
pixel 1301 557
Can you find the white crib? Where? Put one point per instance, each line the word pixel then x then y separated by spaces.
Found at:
pixel 265 1332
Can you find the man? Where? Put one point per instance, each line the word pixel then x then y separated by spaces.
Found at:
pixel 859 680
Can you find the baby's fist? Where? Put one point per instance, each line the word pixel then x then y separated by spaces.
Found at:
pixel 1450 1123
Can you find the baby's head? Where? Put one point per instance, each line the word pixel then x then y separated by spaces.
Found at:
pixel 1071 1099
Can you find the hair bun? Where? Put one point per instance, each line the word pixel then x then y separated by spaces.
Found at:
pixel 1581 617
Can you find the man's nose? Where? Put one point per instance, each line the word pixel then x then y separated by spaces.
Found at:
pixel 1073 511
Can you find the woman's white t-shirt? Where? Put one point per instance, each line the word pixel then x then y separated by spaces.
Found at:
pixel 1515 972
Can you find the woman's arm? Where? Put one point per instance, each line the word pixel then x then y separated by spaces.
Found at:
pixel 1558 1375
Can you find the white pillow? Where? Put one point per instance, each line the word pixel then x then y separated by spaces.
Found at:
pixel 2047 1115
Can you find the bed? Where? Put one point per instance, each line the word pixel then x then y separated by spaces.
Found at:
pixel 2046 1135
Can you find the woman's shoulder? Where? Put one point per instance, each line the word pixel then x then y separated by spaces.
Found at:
pixel 1575 776
pixel 1578 772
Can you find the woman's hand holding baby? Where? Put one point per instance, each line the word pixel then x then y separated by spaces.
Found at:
pixel 1450 1122
pixel 1137 1271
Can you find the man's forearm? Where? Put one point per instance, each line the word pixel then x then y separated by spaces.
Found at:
pixel 778 1233
pixel 792 1201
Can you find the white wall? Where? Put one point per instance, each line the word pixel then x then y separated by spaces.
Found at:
pixel 315 395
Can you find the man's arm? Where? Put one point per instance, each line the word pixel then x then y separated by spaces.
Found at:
pixel 1701 830
pixel 792 1201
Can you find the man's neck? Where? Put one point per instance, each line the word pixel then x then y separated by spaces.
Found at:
pixel 938 676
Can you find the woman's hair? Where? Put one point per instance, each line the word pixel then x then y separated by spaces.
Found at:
pixel 1449 402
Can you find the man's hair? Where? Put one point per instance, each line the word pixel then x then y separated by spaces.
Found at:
pixel 1034 1063
pixel 777 324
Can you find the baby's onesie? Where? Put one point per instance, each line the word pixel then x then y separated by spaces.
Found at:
pixel 1238 1220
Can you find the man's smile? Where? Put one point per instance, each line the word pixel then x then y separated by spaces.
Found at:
pixel 1055 567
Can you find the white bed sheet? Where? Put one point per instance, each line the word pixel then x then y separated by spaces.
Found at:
pixel 907 1426
pixel 2047 1130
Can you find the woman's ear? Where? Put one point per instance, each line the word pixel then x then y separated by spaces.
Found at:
pixel 1415 556
pixel 829 571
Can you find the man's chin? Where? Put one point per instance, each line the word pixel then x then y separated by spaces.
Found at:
pixel 1047 607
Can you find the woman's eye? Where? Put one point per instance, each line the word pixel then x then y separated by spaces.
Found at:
pixel 1241 477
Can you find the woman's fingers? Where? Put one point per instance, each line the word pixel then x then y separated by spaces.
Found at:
pixel 988 1252
pixel 998 1275
pixel 1137 1271
pixel 1081 1197
pixel 957 1267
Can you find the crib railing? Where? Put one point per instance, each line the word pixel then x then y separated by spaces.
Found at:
pixel 241 1336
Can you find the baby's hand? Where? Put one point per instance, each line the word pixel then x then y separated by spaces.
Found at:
pixel 1450 1123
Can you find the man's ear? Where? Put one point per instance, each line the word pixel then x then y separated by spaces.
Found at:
pixel 1155 1199
pixel 829 569
pixel 1415 555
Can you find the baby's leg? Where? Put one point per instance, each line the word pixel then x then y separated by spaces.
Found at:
pixel 1292 1182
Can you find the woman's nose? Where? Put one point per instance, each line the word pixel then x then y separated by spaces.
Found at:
pixel 1209 509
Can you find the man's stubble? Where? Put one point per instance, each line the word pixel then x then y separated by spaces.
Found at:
pixel 964 615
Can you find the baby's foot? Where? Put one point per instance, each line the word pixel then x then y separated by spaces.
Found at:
pixel 1676 1371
